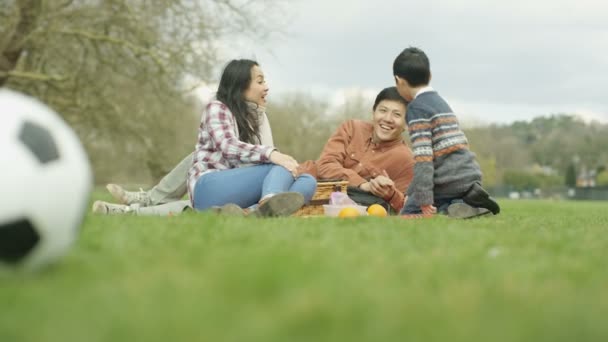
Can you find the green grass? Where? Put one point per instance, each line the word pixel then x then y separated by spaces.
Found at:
pixel 537 272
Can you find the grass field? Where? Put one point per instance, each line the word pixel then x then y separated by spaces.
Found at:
pixel 537 272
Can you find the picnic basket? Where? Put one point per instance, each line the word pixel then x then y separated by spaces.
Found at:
pixel 321 196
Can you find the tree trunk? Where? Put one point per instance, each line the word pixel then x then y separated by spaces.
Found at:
pixel 29 11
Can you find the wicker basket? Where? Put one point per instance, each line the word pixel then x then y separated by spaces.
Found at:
pixel 321 196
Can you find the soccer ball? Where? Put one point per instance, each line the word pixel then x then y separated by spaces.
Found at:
pixel 45 182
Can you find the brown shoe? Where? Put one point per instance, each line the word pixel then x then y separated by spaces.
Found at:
pixel 282 204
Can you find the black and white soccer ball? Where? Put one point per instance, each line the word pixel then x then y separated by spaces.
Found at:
pixel 45 182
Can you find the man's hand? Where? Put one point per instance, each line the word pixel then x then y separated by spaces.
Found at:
pixel 384 179
pixel 383 191
pixel 382 186
pixel 365 187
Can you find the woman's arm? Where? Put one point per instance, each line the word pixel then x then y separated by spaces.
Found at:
pixel 220 124
pixel 386 188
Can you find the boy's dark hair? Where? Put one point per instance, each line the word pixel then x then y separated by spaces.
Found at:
pixel 413 65
pixel 390 94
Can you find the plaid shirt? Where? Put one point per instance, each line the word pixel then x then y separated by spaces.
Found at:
pixel 219 148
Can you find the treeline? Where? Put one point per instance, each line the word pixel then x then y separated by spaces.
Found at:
pixel 545 152
pixel 119 71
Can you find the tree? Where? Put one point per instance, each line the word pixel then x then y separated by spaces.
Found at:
pixel 117 70
pixel 570 179
pixel 356 106
pixel 302 124
pixel 488 168
pixel 299 126
pixel 602 178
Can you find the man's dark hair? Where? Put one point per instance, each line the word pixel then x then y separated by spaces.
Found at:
pixel 390 94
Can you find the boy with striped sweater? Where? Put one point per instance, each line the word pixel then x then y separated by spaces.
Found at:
pixel 446 176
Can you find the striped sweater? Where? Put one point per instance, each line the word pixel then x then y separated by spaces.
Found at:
pixel 445 167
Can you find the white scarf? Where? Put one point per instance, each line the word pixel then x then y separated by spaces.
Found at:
pixel 264 128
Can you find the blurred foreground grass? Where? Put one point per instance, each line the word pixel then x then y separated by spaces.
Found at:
pixel 536 272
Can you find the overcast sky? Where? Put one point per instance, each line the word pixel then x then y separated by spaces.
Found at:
pixel 494 61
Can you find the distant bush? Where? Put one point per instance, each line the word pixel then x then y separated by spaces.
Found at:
pixel 602 178
pixel 522 180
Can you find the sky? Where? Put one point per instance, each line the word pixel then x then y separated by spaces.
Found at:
pixel 493 61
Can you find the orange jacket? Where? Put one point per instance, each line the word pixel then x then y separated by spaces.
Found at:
pixel 350 154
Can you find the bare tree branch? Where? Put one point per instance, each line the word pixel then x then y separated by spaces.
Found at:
pixel 33 76
pixel 113 40
pixel 119 70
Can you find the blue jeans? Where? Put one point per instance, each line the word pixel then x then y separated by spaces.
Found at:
pixel 245 186
pixel 441 204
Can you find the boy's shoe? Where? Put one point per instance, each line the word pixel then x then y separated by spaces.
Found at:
pixel 477 197
pixel 140 197
pixel 105 208
pixel 281 204
pixel 464 211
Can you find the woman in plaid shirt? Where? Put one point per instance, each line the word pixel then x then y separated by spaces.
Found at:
pixel 235 163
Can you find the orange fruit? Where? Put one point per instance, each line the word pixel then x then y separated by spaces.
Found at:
pixel 348 212
pixel 376 210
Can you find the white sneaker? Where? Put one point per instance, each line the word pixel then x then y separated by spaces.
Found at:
pixel 105 208
pixel 140 197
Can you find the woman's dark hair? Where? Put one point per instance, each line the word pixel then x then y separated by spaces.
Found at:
pixel 390 94
pixel 235 80
pixel 413 65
